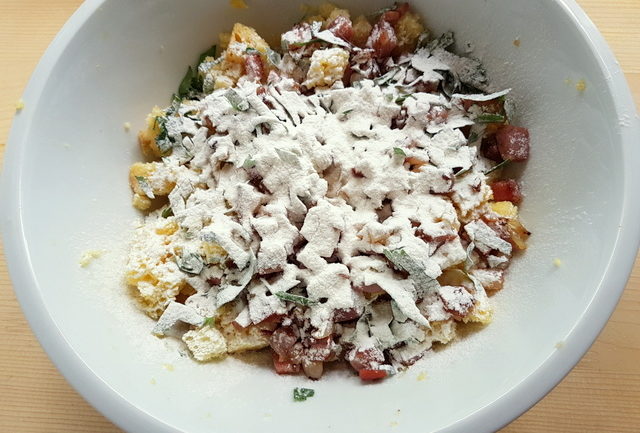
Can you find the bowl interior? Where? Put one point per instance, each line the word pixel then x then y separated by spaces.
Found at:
pixel 73 194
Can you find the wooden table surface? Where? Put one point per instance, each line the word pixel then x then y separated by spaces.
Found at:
pixel 602 394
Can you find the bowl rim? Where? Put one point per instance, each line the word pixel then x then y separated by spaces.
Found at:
pixel 491 417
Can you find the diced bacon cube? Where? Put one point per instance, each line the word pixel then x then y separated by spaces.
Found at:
pixel 391 17
pixel 282 340
pixel 506 190
pixel 368 375
pixel 346 314
pixel 382 39
pixel 438 114
pixel 285 367
pixel 342 28
pixel 491 279
pixel 489 148
pixel 298 35
pixel 457 301
pixel 513 143
pixel 254 67
pixel 365 359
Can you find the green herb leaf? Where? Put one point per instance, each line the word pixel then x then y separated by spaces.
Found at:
pixel 301 394
pixel 302 44
pixel 497 167
pixel 490 118
pixel 248 163
pixel 462 172
pixel 274 58
pixel 444 41
pixel 400 99
pixel 386 78
pixel 175 104
pixel 193 115
pixel 295 298
pixel 145 187
pixel 289 157
pixel 236 100
pixel 191 263
pixel 402 261
pixel 186 83
pixel 163 141
pixel 209 321
pixel 399 152
pixel 251 50
pixel 345 112
pixel 473 137
pixel 211 52
pixel 167 212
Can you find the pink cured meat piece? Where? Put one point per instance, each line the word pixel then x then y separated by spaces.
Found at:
pixel 506 190
pixel 342 28
pixel 383 39
pixel 513 143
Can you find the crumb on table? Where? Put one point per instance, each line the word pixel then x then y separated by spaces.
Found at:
pixel 89 256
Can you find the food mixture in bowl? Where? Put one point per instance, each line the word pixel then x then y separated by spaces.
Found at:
pixel 339 197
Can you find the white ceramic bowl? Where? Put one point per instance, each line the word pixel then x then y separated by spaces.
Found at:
pixel 65 191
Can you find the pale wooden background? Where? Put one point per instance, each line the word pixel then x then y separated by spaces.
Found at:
pixel 602 394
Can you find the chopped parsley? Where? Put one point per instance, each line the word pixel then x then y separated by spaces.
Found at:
pixel 145 187
pixel 463 172
pixel 473 137
pixel 274 57
pixel 209 321
pixel 399 152
pixel 302 44
pixel 386 78
pixel 192 82
pixel 191 263
pixel 187 83
pixel 301 394
pixel 444 41
pixel 491 118
pixel 295 299
pixel 167 212
pixel 211 52
pixel 289 157
pixel 497 167
pixel 163 140
pixel 236 101
pixel 402 261
pixel 248 163
pixel 193 115
pixel 400 99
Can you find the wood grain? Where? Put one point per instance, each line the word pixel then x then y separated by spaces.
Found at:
pixel 602 394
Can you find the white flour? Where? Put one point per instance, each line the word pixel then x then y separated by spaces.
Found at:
pixel 282 197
